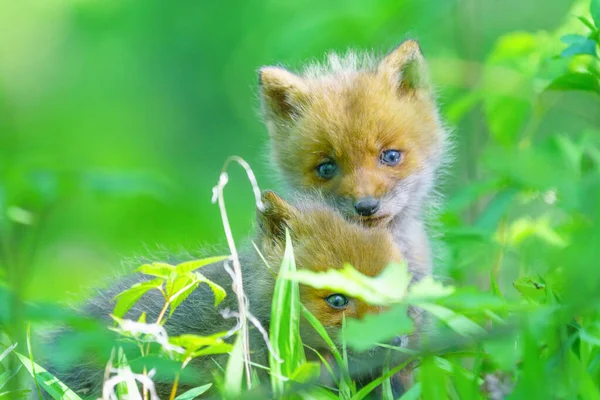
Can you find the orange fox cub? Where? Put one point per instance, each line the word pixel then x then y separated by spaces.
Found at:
pixel 364 132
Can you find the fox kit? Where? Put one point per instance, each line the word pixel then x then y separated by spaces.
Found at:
pixel 366 133
pixel 322 238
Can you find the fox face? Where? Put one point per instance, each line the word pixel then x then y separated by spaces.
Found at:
pixel 366 134
pixel 323 239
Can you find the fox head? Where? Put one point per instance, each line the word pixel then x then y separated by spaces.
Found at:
pixel 322 239
pixel 365 132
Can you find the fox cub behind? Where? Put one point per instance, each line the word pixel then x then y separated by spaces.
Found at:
pixel 322 239
pixel 367 133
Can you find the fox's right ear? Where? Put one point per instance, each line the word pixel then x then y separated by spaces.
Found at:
pixel 406 66
pixel 277 216
pixel 282 92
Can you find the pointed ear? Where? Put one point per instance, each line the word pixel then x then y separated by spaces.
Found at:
pixel 406 67
pixel 282 92
pixel 276 217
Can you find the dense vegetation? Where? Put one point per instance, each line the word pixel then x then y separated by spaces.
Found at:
pixel 96 160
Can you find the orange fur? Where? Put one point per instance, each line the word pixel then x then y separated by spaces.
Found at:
pixel 349 112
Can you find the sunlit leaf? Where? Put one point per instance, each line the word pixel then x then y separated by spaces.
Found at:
pixel 390 286
pixel 193 393
pixel 428 289
pixel 161 270
pixel 217 290
pixel 126 299
pixel 190 266
pixel 531 288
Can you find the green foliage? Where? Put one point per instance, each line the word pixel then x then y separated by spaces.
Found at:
pixel 288 360
pixel 520 221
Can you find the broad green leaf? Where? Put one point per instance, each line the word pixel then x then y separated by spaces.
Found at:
pixel 584 81
pixel 193 393
pixel 190 266
pixel 221 348
pixel 158 269
pixel 234 372
pixel 54 387
pixel 457 322
pixel 428 289
pixel 363 334
pixel 218 291
pixel 181 295
pixel 390 286
pixel 176 282
pixel 578 44
pixel 531 288
pixel 126 299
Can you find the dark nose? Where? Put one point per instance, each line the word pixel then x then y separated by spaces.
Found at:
pixel 366 206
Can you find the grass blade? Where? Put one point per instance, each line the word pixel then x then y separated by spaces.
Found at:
pixel 54 387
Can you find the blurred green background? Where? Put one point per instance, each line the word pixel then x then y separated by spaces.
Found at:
pixel 116 116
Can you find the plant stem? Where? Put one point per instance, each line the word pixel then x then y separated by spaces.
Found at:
pixel 174 390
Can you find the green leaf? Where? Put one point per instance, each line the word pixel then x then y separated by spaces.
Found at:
pixel 48 382
pixel 190 266
pixel 218 291
pixel 6 352
pixel 585 46
pixel 284 332
pixel 193 393
pixel 363 334
pixel 457 322
pixel 414 393
pixel 495 210
pixel 182 293
pixel 158 269
pixel 390 286
pixel 595 11
pixel 428 289
pixel 583 81
pixel 127 298
pixel 587 23
pixel 7 376
pixel 531 288
pixel 234 372
pixel 368 388
pixel 306 372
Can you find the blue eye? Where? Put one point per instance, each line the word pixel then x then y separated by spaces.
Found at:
pixel 326 170
pixel 337 300
pixel 391 157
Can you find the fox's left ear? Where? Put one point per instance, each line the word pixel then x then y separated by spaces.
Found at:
pixel 282 92
pixel 406 66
